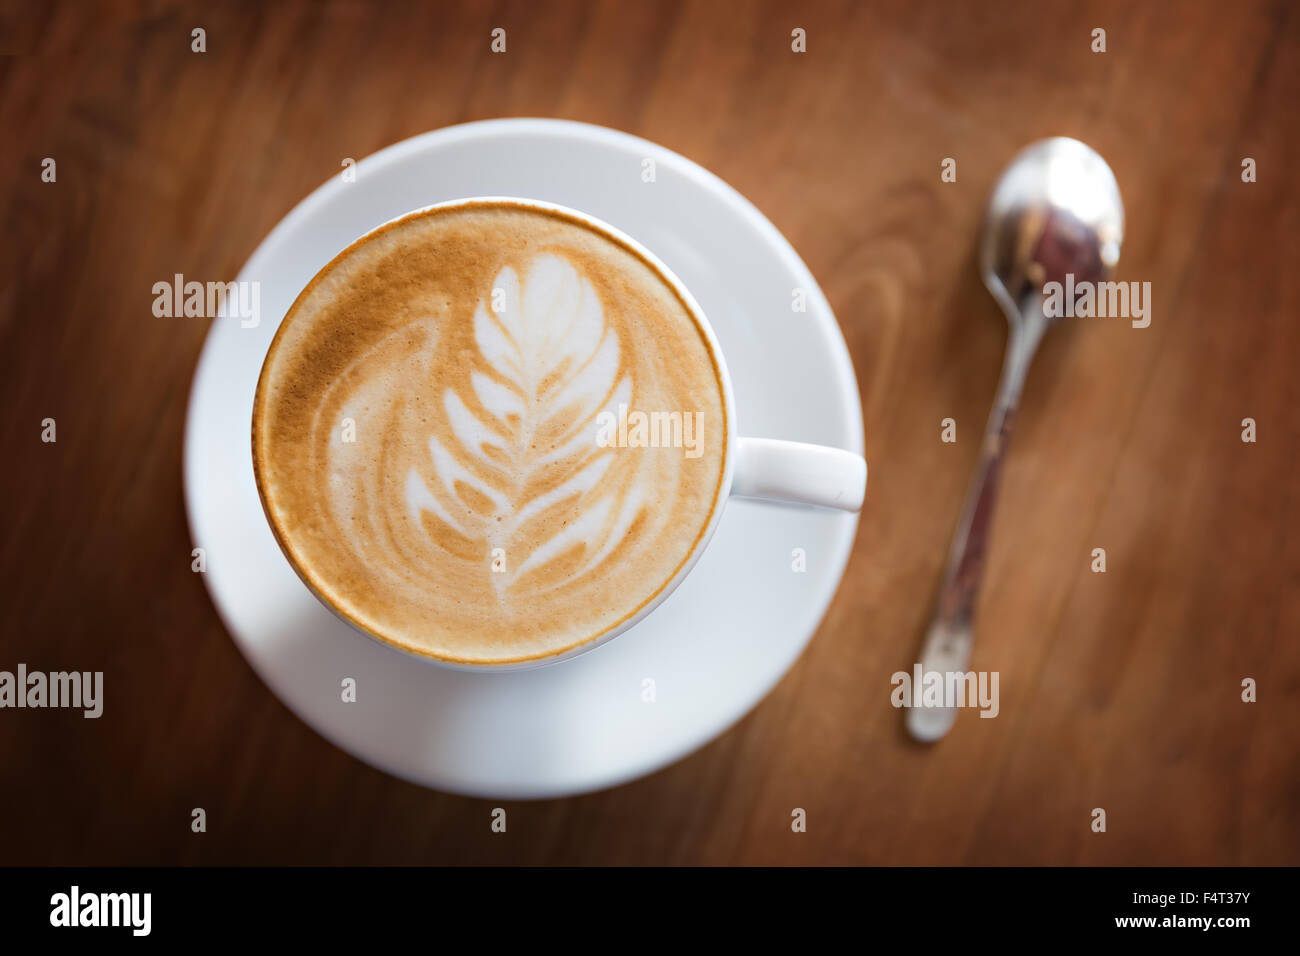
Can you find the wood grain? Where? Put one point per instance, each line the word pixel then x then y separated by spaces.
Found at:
pixel 1118 690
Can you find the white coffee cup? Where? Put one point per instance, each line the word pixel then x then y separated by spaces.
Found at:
pixel 770 469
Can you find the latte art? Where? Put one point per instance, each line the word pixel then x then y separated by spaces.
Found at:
pixel 430 433
pixel 519 443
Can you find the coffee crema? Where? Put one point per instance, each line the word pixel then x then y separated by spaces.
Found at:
pixel 425 433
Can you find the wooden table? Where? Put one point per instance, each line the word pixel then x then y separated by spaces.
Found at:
pixel 1119 690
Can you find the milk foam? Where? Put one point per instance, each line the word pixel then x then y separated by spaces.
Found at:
pixel 555 360
pixel 475 516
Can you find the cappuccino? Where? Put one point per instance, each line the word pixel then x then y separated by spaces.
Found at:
pixel 432 433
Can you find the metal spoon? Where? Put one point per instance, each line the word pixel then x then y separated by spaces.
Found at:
pixel 1055 210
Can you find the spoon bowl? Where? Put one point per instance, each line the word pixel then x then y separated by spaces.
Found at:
pixel 1056 210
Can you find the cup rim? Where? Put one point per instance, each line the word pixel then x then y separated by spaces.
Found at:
pixel 705 535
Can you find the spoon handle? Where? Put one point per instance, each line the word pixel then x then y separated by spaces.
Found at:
pixel 947 647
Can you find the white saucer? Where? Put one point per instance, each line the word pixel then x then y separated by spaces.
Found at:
pixel 713 649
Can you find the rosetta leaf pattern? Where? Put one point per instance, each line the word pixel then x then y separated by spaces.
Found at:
pixel 518 446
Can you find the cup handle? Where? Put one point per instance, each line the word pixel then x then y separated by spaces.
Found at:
pixel 799 473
